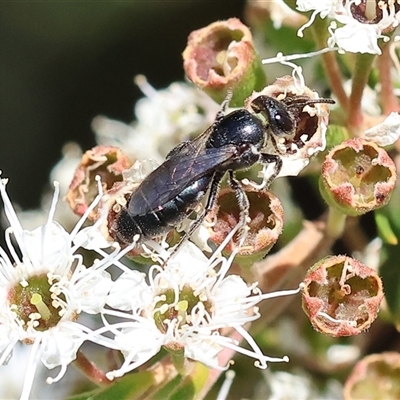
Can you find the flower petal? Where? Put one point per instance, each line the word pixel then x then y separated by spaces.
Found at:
pixel 385 133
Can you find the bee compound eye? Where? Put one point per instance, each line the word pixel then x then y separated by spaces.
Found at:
pixel 284 122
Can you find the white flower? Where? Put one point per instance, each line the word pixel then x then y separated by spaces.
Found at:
pixel 164 119
pixel 183 306
pixel 355 37
pixel 359 32
pixel 385 133
pixel 13 377
pixel 322 7
pixel 43 292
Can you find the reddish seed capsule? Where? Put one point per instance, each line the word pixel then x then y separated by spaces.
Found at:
pixel 374 377
pixel 341 296
pixel 222 57
pixel 108 162
pixel 357 177
pixel 265 223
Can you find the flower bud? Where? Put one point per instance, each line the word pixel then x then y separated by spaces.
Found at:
pixel 263 229
pixel 222 57
pixel 106 161
pixel 357 177
pixel 374 377
pixel 341 296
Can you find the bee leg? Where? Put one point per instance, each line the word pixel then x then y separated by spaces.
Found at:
pixel 224 106
pixel 209 205
pixel 244 206
pixel 269 159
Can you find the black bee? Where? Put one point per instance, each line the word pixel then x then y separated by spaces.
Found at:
pixel 196 167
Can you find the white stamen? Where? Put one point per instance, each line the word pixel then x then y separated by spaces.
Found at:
pixel 218 251
pixel 31 369
pixel 7 352
pixel 91 207
pixel 352 324
pixel 10 246
pixel 54 202
pixel 281 293
pixel 282 58
pixel 308 23
pixel 62 372
pixel 9 211
pixel 145 87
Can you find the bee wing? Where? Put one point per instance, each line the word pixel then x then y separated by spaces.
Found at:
pixel 192 146
pixel 184 166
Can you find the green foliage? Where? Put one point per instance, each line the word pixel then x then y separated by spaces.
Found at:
pixel 129 387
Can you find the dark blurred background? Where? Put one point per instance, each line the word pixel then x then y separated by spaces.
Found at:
pixel 63 63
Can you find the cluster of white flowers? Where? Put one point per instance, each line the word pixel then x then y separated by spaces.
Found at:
pixel 44 290
pixel 360 25
pixel 181 111
pixel 48 289
pixel 183 306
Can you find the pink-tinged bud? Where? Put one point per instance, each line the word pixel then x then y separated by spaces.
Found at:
pixel 357 177
pixel 264 226
pixel 341 296
pixel 106 161
pixel 374 377
pixel 222 57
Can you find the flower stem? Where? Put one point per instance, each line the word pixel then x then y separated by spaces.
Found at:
pixel 90 369
pixel 335 223
pixel 178 359
pixel 360 78
pixel 329 62
pixel 388 99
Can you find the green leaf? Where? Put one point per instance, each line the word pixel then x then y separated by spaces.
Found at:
pixel 335 135
pixel 384 228
pixel 185 388
pixel 390 269
pixel 279 39
pixel 165 392
pixel 129 387
pixel 193 383
pixel 388 224
pixel 390 273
